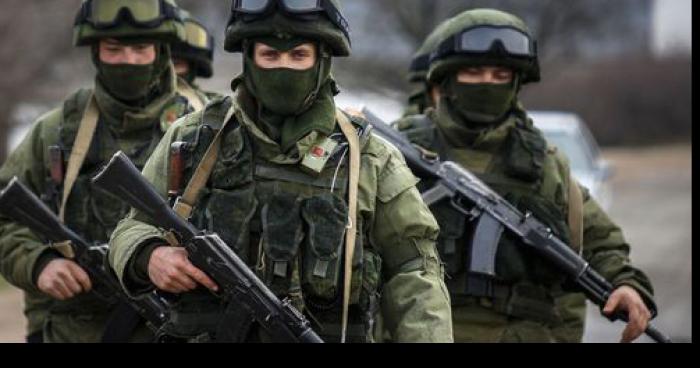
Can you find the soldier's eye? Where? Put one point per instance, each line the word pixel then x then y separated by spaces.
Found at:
pixel 300 54
pixel 270 55
pixel 503 75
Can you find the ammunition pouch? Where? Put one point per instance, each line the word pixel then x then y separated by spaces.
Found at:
pixel 281 239
pixel 326 220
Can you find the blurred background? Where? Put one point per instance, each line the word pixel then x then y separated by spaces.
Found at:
pixel 623 67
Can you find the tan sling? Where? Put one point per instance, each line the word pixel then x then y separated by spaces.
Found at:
pixel 185 204
pixel 192 97
pixel 350 232
pixel 81 147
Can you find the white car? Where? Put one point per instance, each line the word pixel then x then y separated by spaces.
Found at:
pixel 569 133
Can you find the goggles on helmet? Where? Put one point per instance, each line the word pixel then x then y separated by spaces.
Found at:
pixel 250 10
pixel 106 14
pixel 197 35
pixel 420 63
pixel 483 39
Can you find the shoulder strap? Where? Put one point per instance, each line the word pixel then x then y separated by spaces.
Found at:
pixel 191 95
pixel 350 232
pixel 81 146
pixel 575 214
pixel 185 204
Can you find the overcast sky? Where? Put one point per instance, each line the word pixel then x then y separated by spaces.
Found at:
pixel 672 26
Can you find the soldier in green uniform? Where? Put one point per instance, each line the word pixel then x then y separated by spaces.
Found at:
pixel 570 305
pixel 193 57
pixel 303 192
pixel 132 103
pixel 482 59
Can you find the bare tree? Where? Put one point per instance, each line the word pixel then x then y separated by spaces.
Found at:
pixel 34 36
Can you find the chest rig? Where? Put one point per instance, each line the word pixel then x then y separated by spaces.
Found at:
pixel 526 173
pixel 88 210
pixel 287 221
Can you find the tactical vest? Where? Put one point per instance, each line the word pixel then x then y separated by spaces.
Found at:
pixel 90 211
pixel 288 226
pixel 527 174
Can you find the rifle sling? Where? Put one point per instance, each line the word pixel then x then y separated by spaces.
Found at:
pixel 189 93
pixel 350 232
pixel 185 204
pixel 81 146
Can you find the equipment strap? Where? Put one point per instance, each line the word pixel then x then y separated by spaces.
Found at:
pixel 350 232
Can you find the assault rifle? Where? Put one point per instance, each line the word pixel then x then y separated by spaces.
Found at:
pixel 493 214
pixel 208 252
pixel 23 206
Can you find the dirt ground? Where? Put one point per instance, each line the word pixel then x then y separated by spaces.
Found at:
pixel 652 202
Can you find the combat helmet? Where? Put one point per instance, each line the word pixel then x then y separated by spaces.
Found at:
pixel 419 98
pixel 155 19
pixel 197 47
pixel 420 63
pixel 320 20
pixel 485 37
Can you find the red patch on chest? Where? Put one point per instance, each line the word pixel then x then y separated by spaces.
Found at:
pixel 318 152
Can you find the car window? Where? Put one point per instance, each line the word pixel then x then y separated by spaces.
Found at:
pixel 573 148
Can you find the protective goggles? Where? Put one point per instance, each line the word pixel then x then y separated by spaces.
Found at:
pixel 484 39
pixel 420 63
pixel 254 9
pixel 105 14
pixel 197 36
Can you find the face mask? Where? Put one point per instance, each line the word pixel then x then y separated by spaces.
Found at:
pixel 127 82
pixel 283 91
pixel 481 103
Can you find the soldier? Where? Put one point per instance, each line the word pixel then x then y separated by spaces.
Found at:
pixel 193 57
pixel 482 59
pixel 132 103
pixel 570 305
pixel 291 174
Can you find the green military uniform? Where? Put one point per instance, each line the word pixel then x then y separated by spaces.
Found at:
pixel 278 195
pixel 133 126
pixel 528 301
